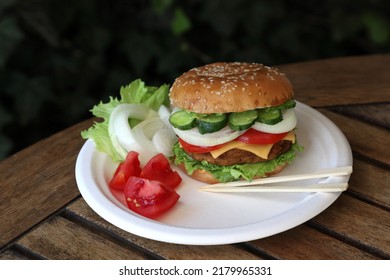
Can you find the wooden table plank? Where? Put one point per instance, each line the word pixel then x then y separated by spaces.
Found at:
pixel 38 181
pixel 162 249
pixel 369 141
pixel 370 183
pixel 358 222
pixel 305 243
pixel 341 81
pixel 378 114
pixel 59 238
pixel 12 255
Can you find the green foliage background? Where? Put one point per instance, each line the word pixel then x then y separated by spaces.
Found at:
pixel 59 58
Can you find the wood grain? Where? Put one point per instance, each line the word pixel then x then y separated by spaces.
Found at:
pixel 305 243
pixel 367 140
pixel 12 255
pixel 38 181
pixel 59 238
pixel 160 249
pixel 370 183
pixel 341 81
pixel 376 114
pixel 359 222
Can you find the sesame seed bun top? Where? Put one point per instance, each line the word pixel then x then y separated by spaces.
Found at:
pixel 230 87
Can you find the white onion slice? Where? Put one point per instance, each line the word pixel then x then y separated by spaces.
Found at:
pixel 288 123
pixel 119 129
pixel 164 113
pixel 152 135
pixel 164 140
pixel 193 137
pixel 143 134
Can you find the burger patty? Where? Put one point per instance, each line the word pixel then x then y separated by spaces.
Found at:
pixel 237 156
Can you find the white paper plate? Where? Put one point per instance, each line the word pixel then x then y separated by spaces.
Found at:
pixel 204 218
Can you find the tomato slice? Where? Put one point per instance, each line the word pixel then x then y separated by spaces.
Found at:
pixel 252 136
pixel 198 149
pixel 159 169
pixel 130 167
pixel 149 198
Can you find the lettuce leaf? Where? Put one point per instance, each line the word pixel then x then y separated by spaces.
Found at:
pixel 135 92
pixel 237 171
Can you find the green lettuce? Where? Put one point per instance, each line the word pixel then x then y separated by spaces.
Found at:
pixel 134 93
pixel 237 171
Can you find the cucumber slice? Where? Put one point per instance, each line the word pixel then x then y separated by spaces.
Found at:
pixel 286 105
pixel 270 116
pixel 211 123
pixel 242 120
pixel 183 120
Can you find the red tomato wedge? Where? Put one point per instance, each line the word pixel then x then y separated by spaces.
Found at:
pixel 159 169
pixel 252 136
pixel 198 149
pixel 149 198
pixel 129 167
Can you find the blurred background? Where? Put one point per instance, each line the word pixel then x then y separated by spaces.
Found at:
pixel 59 58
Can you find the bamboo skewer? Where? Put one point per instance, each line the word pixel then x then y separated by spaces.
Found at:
pixel 310 188
pixel 256 185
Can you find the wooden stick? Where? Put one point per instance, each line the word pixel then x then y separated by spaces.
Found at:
pixel 337 187
pixel 328 172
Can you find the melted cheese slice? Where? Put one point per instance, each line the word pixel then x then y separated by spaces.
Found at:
pixel 259 150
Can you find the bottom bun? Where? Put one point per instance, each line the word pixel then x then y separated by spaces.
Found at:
pixel 207 177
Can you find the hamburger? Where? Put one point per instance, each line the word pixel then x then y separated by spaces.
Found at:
pixel 234 121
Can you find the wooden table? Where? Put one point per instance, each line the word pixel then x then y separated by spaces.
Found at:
pixel 43 216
